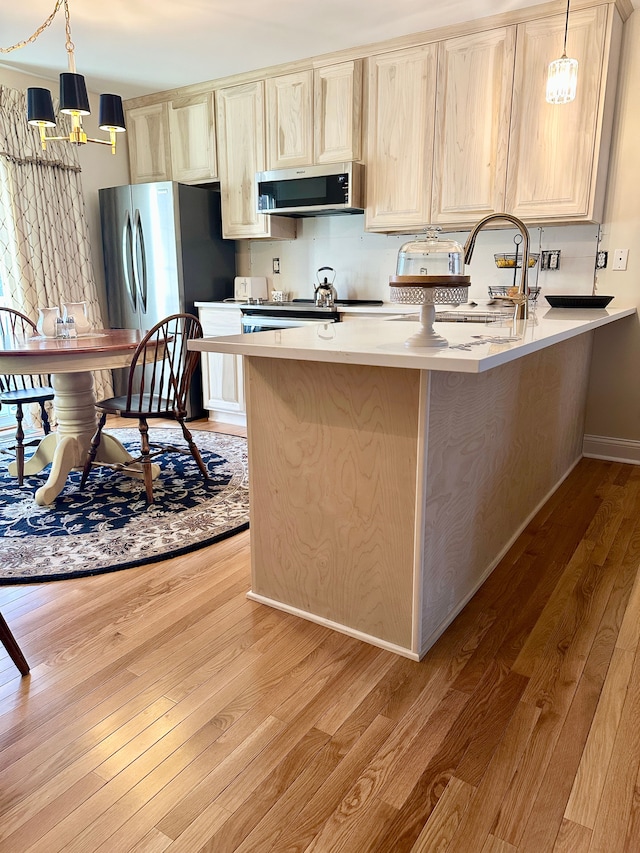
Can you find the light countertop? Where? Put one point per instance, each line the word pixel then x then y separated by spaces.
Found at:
pixel 473 347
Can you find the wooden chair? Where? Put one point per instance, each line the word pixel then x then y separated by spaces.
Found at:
pixel 22 390
pixel 13 649
pixel 159 379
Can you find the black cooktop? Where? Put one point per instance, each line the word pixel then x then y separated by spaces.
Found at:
pixel 354 302
pixel 303 308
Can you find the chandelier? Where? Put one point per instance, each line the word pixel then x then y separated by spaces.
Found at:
pixel 74 100
pixel 562 79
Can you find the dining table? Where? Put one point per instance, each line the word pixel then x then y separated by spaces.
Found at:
pixel 70 362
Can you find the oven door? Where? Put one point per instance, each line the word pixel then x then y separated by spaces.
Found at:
pixel 263 323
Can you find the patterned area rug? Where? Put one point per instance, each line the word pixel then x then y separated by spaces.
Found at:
pixel 108 526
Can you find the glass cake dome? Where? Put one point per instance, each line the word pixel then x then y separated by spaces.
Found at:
pixel 429 256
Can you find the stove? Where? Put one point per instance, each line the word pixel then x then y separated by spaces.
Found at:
pixel 302 307
pixel 298 312
pixel 362 303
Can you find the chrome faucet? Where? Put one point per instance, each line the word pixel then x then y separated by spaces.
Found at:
pixel 523 290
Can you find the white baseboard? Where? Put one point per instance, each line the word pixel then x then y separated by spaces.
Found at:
pixel 611 449
pixel 335 626
pixel 232 418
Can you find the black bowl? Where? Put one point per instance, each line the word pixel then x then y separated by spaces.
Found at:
pixel 578 301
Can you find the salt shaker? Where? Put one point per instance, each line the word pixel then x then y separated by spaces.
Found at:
pixel 72 332
pixel 61 328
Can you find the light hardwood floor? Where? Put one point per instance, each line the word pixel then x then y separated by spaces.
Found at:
pixel 165 711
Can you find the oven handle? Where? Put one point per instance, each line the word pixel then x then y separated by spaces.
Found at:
pixel 253 323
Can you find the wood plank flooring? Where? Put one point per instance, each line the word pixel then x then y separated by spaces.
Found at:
pixel 166 712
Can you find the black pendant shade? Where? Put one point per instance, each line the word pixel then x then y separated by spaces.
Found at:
pixel 73 94
pixel 111 116
pixel 40 107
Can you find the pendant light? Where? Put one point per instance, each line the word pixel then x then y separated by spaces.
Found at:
pixel 74 100
pixel 562 79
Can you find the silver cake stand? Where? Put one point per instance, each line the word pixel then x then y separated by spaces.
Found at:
pixel 427 292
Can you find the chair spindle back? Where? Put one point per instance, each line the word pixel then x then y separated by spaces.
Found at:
pixel 15 325
pixel 162 366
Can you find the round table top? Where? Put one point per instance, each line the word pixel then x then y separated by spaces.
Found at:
pixel 100 340
pixel 99 349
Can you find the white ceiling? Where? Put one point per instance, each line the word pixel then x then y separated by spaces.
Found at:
pixel 133 47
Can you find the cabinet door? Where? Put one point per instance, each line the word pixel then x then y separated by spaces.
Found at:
pixel 554 149
pixel 475 77
pixel 290 120
pixel 241 153
pixel 338 112
pixel 223 384
pixel 193 139
pixel 148 132
pixel 222 377
pixel 402 89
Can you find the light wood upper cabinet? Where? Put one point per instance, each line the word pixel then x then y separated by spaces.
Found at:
pixel 402 89
pixel 456 128
pixel 338 112
pixel 315 116
pixel 174 140
pixel 290 120
pixel 475 78
pixel 241 153
pixel 148 140
pixel 558 153
pixel 193 138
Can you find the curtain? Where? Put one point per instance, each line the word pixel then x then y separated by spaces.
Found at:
pixel 45 256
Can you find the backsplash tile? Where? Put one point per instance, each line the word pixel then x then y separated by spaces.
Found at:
pixel 363 262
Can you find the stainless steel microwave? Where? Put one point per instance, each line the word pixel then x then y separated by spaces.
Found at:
pixel 312 190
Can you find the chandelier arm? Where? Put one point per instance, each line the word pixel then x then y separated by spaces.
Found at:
pixel 38 32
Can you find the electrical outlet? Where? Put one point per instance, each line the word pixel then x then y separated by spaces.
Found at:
pixel 620 257
pixel 601 260
pixel 550 259
pixel 276 266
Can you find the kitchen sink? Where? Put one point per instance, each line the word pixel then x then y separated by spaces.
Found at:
pixel 460 317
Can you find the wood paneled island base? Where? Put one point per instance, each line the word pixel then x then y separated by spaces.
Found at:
pixel 382 497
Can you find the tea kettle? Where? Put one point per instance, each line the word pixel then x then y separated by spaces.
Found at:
pixel 324 291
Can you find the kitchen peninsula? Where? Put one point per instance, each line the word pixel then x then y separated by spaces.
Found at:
pixel 387 482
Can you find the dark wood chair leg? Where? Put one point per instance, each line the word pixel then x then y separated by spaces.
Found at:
pixel 143 426
pixel 194 450
pixel 19 445
pixel 13 649
pixel 93 449
pixel 46 426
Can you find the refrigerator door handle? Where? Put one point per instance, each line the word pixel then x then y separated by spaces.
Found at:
pixel 141 263
pixel 127 261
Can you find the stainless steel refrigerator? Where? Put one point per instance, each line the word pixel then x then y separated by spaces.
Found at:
pixel 163 251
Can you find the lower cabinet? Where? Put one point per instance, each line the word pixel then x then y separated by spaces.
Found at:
pixel 222 375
